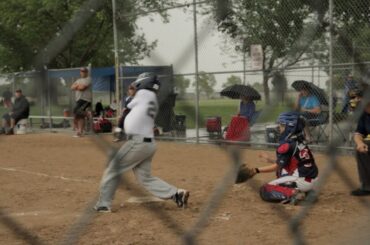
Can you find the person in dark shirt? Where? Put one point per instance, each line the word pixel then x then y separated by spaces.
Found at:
pixel 7 98
pixel 99 109
pixel 20 110
pixel 119 134
pixel 362 141
pixel 294 165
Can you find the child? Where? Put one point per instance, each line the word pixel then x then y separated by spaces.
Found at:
pixel 294 165
pixel 138 151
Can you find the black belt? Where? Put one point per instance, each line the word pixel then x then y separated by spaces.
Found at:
pixel 146 140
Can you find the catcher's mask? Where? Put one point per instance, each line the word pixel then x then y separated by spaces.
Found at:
pixel 294 125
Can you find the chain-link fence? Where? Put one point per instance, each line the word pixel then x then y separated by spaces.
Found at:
pixel 311 57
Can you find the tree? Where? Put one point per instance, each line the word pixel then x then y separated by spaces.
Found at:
pixel 181 84
pixel 206 83
pixel 232 80
pixel 258 86
pixel 27 26
pixel 278 26
pixel 280 84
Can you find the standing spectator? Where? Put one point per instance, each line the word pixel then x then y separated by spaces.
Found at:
pixel 349 85
pixel 20 110
pixel 362 141
pixel 7 98
pixel 82 88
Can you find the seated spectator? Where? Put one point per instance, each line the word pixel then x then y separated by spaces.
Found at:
pixel 355 97
pixel 99 109
pixel 7 98
pixel 309 107
pixel 119 130
pixel 247 107
pixel 114 106
pixel 349 85
pixel 20 110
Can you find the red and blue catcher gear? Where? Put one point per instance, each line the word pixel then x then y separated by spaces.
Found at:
pixel 276 193
pixel 296 159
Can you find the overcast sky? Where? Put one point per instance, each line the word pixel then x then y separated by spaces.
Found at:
pixel 176 46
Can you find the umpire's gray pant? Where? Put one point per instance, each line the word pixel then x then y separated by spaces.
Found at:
pixel 136 155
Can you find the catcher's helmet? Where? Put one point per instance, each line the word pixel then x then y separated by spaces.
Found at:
pixel 148 81
pixel 294 124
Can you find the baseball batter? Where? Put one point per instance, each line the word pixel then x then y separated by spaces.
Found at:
pixel 138 151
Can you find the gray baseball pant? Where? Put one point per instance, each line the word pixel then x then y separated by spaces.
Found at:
pixel 137 155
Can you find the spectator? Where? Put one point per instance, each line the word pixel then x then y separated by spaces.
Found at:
pixel 119 130
pixel 20 110
pixel 99 109
pixel 82 88
pixel 7 98
pixel 309 107
pixel 362 141
pixel 114 106
pixel 349 85
pixel 247 107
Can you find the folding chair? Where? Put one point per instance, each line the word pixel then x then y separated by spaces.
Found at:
pixel 319 122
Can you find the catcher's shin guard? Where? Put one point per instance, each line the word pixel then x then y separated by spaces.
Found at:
pixel 276 193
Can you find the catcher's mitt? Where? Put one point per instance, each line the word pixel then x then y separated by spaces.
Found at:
pixel 244 174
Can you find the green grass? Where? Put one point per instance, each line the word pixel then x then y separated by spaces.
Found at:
pixel 225 108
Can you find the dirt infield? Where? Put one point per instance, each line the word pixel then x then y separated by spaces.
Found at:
pixel 47 180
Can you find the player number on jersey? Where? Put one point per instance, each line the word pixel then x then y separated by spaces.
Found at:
pixel 152 109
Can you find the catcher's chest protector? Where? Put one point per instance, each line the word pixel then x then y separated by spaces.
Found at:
pixel 238 129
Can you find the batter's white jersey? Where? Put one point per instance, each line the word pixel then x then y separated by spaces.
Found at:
pixel 144 108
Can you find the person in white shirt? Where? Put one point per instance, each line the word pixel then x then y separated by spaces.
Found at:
pixel 82 88
pixel 138 151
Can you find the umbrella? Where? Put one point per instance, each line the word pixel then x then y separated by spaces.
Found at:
pixel 313 89
pixel 237 90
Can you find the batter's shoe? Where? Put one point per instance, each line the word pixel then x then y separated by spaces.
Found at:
pixel 103 209
pixel 181 198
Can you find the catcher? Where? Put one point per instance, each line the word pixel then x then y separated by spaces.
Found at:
pixel 294 165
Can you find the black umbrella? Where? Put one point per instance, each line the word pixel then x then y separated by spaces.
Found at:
pixel 237 90
pixel 313 89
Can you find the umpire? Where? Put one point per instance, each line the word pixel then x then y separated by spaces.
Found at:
pixel 362 141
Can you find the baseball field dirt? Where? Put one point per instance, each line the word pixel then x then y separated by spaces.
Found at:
pixel 48 180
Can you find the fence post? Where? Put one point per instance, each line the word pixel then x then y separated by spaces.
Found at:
pixel 196 71
pixel 331 108
pixel 116 60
